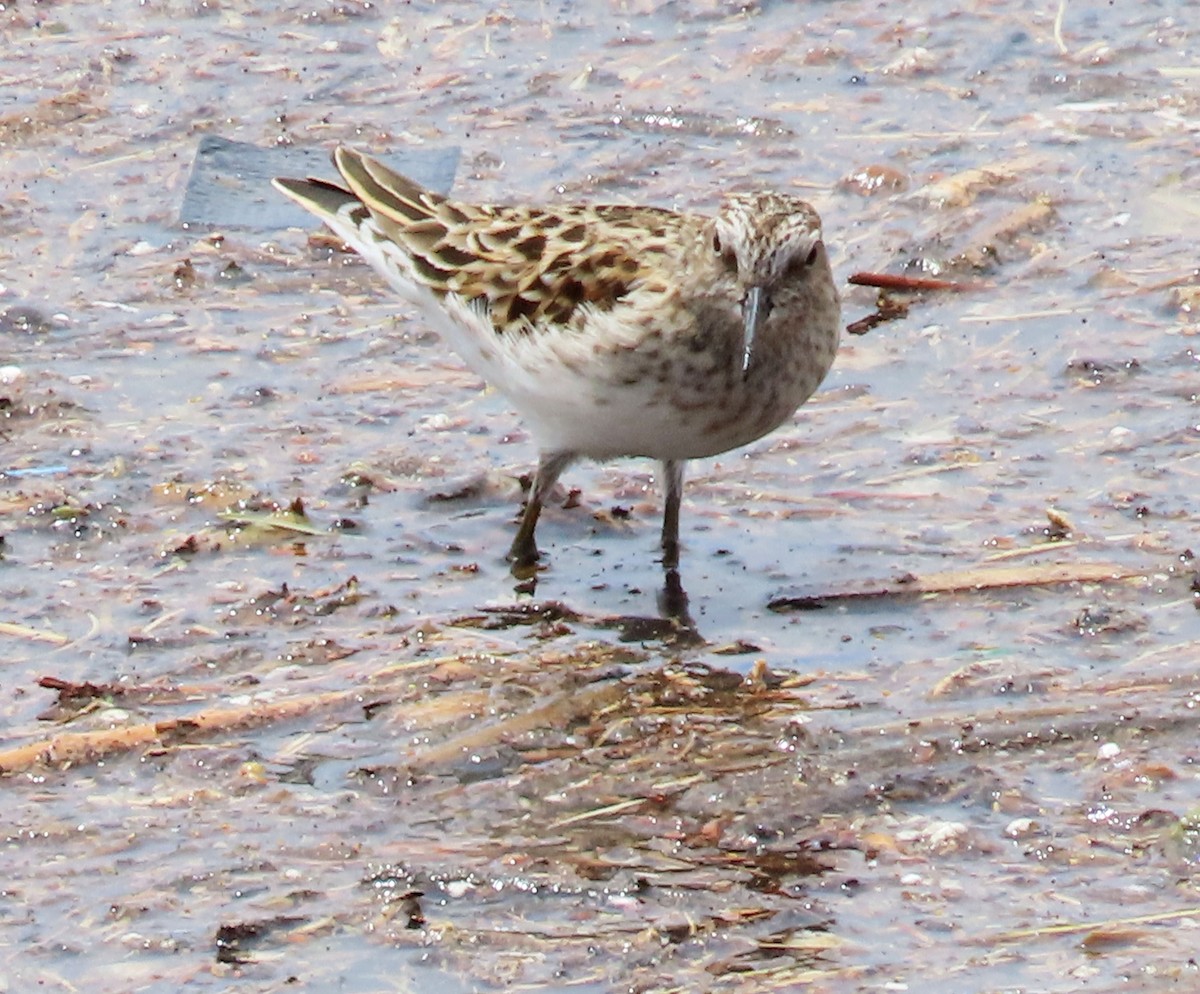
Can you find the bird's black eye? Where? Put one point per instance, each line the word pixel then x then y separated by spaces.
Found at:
pixel 812 254
pixel 716 243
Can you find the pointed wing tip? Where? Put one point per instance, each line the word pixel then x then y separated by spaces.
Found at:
pixel 296 190
pixel 317 196
pixel 289 187
pixel 345 157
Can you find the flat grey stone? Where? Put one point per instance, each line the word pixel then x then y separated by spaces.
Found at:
pixel 230 184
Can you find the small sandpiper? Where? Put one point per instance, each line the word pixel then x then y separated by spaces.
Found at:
pixel 614 330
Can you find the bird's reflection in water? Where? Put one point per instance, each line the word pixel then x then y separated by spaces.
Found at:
pixel 673 603
pixel 673 626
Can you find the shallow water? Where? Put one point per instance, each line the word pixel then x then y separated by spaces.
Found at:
pixel 584 799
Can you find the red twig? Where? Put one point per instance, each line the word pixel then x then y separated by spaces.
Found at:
pixel 888 281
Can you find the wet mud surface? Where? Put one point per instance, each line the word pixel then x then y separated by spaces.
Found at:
pixel 925 715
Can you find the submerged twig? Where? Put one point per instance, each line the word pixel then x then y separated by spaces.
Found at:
pixel 33 634
pixel 956 581
pixel 72 748
pixel 559 713
pixel 1073 928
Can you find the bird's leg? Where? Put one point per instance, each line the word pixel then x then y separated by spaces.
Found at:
pixel 673 495
pixel 524 552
